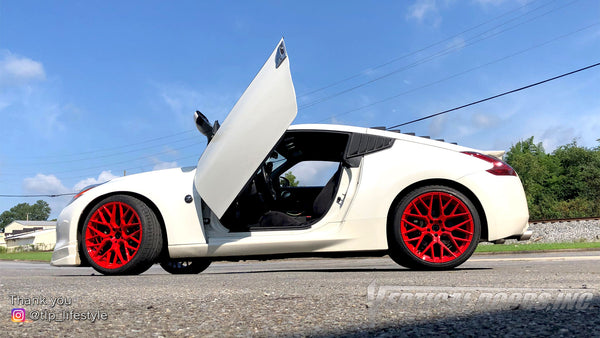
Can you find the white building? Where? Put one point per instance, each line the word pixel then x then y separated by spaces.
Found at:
pixel 30 235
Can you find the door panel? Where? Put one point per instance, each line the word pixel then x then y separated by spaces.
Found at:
pixel 250 131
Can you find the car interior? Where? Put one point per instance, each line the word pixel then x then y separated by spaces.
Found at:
pixel 270 201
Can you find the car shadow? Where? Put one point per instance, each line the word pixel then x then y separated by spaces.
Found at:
pixel 340 270
pixel 578 318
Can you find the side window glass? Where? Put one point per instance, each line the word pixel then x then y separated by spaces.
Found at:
pixel 311 173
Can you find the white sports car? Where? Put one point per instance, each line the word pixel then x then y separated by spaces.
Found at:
pixel 425 203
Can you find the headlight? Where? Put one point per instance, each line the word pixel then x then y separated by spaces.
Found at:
pixel 86 189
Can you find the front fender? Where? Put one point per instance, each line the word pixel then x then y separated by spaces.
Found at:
pixel 164 190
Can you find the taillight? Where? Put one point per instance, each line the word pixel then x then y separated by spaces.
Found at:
pixel 499 168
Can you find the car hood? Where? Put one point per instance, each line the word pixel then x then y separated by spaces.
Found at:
pixel 251 129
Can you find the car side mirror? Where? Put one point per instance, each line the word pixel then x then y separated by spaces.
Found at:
pixel 204 126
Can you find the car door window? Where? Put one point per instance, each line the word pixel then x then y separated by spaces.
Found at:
pixel 311 173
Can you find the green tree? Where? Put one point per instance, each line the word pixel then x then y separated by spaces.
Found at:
pixel 22 211
pixel 291 178
pixel 563 184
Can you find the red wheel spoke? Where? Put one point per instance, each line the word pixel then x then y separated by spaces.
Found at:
pixel 453 212
pixel 447 204
pixel 119 254
pixel 135 239
pixel 93 245
pixel 447 249
pixel 424 204
pixel 464 214
pixel 461 239
pixel 413 227
pixel 113 216
pixel 459 225
pixel 98 232
pixel 415 215
pixel 420 241
pixel 100 222
pixel 129 246
pixel 464 231
pixel 430 246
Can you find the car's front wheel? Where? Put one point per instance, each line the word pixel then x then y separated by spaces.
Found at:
pixel 434 227
pixel 185 265
pixel 121 235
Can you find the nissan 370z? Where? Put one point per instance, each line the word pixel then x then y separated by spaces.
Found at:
pixel 425 203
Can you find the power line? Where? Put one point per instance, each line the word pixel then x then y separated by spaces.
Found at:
pixel 424 48
pixel 116 163
pixel 476 39
pixel 42 195
pixel 96 157
pixel 409 122
pixel 121 146
pixel 495 96
pixel 461 73
pixel 446 51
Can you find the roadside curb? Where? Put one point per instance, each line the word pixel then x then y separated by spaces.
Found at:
pixel 534 251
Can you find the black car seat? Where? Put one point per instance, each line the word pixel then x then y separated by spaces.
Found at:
pixel 321 204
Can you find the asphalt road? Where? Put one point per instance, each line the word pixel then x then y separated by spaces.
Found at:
pixel 549 294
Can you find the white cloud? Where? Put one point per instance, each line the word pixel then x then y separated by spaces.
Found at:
pixel 180 102
pixel 15 69
pixel 498 2
pixel 425 12
pixel 482 121
pixel 44 184
pixel 556 136
pixel 458 126
pixel 165 165
pixel 437 126
pixel 457 43
pixel 104 176
pixel 421 9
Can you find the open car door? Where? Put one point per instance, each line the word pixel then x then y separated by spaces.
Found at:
pixel 249 132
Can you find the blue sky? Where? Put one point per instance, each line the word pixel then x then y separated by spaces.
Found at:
pixel 90 89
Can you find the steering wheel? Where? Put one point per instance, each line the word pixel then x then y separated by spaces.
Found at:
pixel 270 190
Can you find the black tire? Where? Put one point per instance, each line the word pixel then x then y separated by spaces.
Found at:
pixel 433 228
pixel 121 236
pixel 185 266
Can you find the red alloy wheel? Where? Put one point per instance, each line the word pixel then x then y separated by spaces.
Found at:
pixel 113 235
pixel 437 227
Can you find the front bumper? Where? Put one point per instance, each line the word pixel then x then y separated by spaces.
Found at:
pixel 66 251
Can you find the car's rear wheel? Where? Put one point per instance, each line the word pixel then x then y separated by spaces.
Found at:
pixel 434 227
pixel 121 235
pixel 185 265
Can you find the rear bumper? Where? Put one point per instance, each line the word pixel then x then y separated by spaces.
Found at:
pixel 504 204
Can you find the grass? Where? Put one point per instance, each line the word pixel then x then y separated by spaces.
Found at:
pixel 43 256
pixel 536 246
